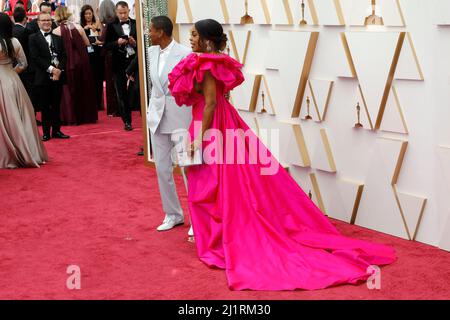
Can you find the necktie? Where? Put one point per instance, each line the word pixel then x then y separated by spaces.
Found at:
pixel 125 22
pixel 47 34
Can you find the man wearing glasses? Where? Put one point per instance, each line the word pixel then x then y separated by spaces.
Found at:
pixel 48 59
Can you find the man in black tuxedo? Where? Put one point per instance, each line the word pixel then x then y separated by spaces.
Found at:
pixel 33 26
pixel 48 58
pixel 121 40
pixel 21 33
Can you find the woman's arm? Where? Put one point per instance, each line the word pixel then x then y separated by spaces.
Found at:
pixel 22 62
pixel 209 92
pixel 83 35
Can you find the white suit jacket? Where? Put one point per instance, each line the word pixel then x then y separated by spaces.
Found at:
pixel 163 112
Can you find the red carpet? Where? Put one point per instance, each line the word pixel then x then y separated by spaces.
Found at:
pixel 96 205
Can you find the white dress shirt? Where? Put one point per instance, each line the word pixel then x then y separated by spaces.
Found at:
pixel 49 41
pixel 163 55
pixel 126 28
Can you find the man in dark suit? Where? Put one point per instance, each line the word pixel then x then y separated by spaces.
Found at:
pixel 33 26
pixel 21 33
pixel 48 59
pixel 121 40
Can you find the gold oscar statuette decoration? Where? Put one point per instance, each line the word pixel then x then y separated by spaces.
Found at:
pixel 308 103
pixel 263 96
pixel 303 21
pixel 373 19
pixel 246 19
pixel 358 112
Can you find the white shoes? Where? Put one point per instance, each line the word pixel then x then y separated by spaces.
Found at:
pixel 170 223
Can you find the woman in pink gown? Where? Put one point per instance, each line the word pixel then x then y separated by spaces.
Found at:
pixel 261 228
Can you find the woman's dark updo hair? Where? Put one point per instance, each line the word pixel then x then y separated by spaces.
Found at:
pixel 210 29
pixel 6 35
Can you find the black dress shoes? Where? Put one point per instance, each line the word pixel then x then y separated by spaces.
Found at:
pixel 128 127
pixel 60 135
pixel 141 152
pixel 45 137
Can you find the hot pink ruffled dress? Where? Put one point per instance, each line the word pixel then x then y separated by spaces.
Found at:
pixel 262 229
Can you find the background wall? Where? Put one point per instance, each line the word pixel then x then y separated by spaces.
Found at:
pixel 392 175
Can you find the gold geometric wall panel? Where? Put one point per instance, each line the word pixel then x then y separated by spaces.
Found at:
pixel 216 9
pixel 257 9
pixel 329 12
pixel 375 57
pixel 293 62
pixel 365 119
pixel 299 157
pixel 317 195
pixel 355 12
pixel 239 41
pixel 383 175
pixel 289 12
pixel 244 96
pixel 408 64
pixel 351 70
pixel 308 182
pixel 341 197
pixel 411 208
pixel 319 93
pixel 264 100
pixel 394 118
pixel 323 158
pixel 184 12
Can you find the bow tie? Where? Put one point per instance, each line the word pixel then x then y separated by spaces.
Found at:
pixel 47 34
pixel 125 22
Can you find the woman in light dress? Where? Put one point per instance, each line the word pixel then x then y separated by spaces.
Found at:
pixel 20 143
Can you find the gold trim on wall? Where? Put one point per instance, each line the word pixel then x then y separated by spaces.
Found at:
pixel 226 15
pixel 313 11
pixel 321 116
pixel 390 78
pixel 288 12
pixel 187 5
pixel 366 109
pixel 400 11
pixel 142 81
pixel 414 52
pixel 357 203
pixel 329 152
pixel 400 158
pixel 339 12
pixel 316 189
pixel 255 93
pixel 309 57
pixel 266 86
pixel 301 144
pixel 266 11
pixel 400 109
pixel 235 48
pixel 348 55
pixel 411 233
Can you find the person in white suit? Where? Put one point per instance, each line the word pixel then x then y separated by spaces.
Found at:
pixel 164 116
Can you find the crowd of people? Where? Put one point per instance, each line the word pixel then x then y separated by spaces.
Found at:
pixel 261 228
pixel 62 70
